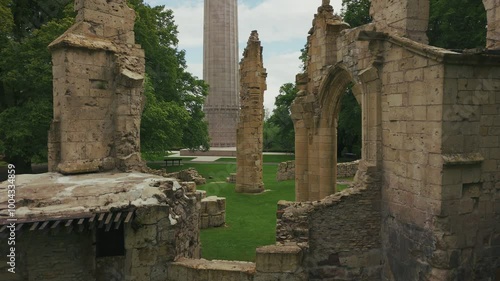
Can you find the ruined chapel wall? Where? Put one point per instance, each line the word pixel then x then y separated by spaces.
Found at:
pixel 471 158
pixel 286 170
pixel 411 108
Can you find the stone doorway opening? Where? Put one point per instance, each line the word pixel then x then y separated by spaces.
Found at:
pixel 348 127
pixel 338 89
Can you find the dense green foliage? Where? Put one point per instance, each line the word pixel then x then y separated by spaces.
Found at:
pixel 457 24
pixel 173 114
pixel 356 12
pixel 349 125
pixel 279 134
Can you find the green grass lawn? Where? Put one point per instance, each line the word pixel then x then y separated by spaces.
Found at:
pixel 250 218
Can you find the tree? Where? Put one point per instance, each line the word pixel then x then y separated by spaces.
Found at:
pixel 356 12
pixel 173 113
pixel 349 125
pixel 457 24
pixel 169 114
pixel 280 124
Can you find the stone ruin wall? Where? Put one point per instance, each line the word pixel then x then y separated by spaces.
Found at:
pixel 272 263
pixel 152 240
pixel 98 74
pixel 430 145
pixel 286 170
pixel 250 127
pixel 406 18
pixel 212 208
pixel 439 164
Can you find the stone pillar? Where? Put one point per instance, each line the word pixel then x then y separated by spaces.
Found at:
pixel 493 14
pixel 220 71
pixel 301 156
pixel 250 127
pixel 407 18
pixel 98 91
pixel 327 161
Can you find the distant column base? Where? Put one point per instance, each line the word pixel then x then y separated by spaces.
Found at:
pixel 250 188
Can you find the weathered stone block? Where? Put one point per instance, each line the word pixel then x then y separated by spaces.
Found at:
pixel 278 259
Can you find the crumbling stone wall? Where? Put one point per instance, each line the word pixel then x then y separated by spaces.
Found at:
pixel 250 127
pixel 280 263
pixel 98 91
pixel 341 234
pixel 272 263
pixel 160 235
pixel 406 18
pixel 429 146
pixel 188 175
pixel 347 169
pixel 60 219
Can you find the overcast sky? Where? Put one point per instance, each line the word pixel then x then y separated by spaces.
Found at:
pixel 282 27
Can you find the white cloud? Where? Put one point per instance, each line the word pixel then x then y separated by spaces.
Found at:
pixel 281 69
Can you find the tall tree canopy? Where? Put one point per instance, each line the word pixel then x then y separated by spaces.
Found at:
pixel 26 88
pixel 172 116
pixel 349 125
pixel 279 130
pixel 457 24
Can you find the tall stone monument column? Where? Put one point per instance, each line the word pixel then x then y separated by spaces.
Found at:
pixel 220 70
pixel 251 120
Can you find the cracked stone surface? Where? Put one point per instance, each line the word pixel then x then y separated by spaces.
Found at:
pixel 52 194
